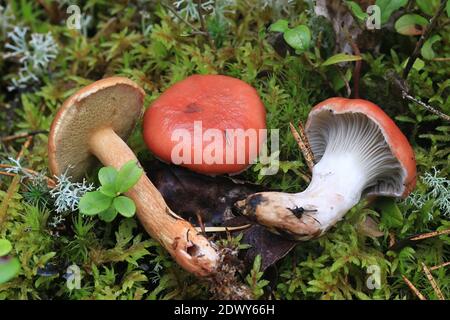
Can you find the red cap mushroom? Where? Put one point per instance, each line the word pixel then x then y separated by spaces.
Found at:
pixel 198 105
pixel 93 123
pixel 359 152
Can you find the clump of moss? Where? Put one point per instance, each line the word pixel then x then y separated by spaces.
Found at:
pixel 156 45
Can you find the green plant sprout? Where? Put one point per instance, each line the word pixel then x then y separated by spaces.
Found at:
pixel 298 38
pixel 408 24
pixel 118 260
pixel 108 200
pixel 254 278
pixel 9 266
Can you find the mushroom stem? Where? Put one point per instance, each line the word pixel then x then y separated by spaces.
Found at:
pixel 336 186
pixel 190 249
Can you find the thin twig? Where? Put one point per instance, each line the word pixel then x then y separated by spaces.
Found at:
pixel 347 85
pixel 203 25
pixel 440 114
pixel 433 282
pixel 50 182
pixel 430 235
pixel 224 229
pixel 22 135
pixel 357 69
pixel 303 144
pixel 440 266
pixel 413 288
pixel 422 39
pixel 13 186
pixel 7 174
pixel 168 7
pixel 443 59
pixel 25 146
pixel 200 222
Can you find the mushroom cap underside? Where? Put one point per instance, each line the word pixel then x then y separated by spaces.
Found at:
pixel 398 144
pixel 114 102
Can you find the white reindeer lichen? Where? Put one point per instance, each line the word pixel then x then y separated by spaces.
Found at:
pixel 278 6
pixel 67 194
pixel 189 8
pixel 438 191
pixel 34 55
pixel 16 168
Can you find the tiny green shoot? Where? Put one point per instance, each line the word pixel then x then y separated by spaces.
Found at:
pixel 9 266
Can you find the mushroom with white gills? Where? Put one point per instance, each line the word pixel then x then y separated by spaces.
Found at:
pixel 94 122
pixel 359 152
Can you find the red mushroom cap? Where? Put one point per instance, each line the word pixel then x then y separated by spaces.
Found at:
pixel 219 102
pixel 396 140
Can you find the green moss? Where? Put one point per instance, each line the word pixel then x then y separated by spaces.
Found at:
pixel 119 260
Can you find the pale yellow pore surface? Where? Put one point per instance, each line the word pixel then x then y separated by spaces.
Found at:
pixel 114 105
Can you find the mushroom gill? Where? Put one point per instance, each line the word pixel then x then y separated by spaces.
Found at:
pixel 353 143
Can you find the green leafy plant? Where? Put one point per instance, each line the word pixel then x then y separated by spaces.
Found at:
pixel 254 278
pixel 298 37
pixel 5 247
pixel 9 266
pixel 108 200
pixel 118 260
pixel 407 24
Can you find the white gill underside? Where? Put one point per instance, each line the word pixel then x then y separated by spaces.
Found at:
pixel 353 159
pixel 337 136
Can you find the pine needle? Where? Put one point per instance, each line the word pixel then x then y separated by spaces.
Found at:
pixel 414 289
pixel 433 282
pixel 430 235
pixel 303 144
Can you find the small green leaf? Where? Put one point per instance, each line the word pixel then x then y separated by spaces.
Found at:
pixel 257 263
pixel 387 7
pixel 5 247
pixel 428 7
pixel 94 202
pixel 427 48
pixel 391 216
pixel 340 57
pixel 417 65
pixel 298 38
pixel 9 268
pixel 409 24
pixel 356 10
pixel 338 80
pixel 402 118
pixel 128 175
pixel 447 8
pixel 279 26
pixel 108 190
pixel 107 175
pixel 108 215
pixel 125 206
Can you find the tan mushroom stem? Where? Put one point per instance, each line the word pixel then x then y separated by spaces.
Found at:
pixel 190 249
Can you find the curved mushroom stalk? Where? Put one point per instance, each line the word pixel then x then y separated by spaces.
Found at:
pixel 308 214
pixel 360 151
pixel 94 123
pixel 190 249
